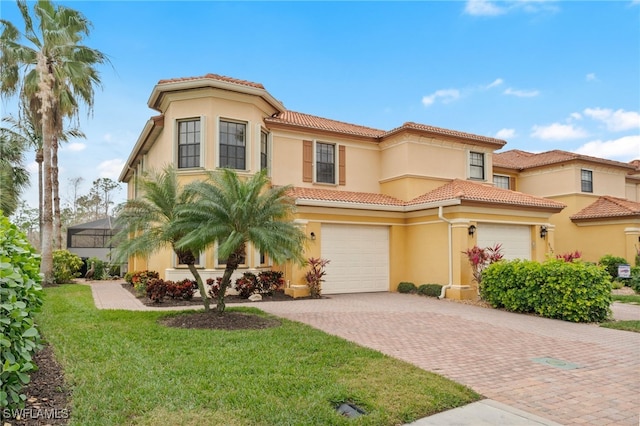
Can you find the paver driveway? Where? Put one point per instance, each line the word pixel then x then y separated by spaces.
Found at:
pixel 592 376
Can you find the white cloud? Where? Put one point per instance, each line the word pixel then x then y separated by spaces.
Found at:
pixel 497 82
pixel 505 133
pixel 615 121
pixel 575 116
pixel 591 77
pixel 626 148
pixel 521 93
pixel 483 8
pixel 111 168
pixel 446 95
pixel 558 132
pixel 74 146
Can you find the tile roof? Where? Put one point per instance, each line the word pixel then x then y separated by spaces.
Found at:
pixel 313 122
pixel 456 190
pixel 520 160
pixel 608 207
pixel 446 132
pixel 213 77
pixel 465 190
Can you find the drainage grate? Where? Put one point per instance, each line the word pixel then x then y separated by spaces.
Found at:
pixel 350 410
pixel 556 363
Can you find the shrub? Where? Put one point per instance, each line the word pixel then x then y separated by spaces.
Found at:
pixel 407 287
pixel 270 281
pixel 611 263
pixel 571 291
pixel 246 285
pixel 128 277
pixel 156 289
pixel 214 287
pixel 139 280
pixel 314 276
pixel 66 266
pixel 181 290
pixel 634 280
pixel 100 268
pixel 480 258
pixel 431 290
pixel 20 297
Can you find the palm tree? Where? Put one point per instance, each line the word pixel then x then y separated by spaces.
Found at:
pixel 148 222
pixel 51 75
pixel 14 178
pixel 233 213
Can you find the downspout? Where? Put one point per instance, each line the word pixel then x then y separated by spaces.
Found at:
pixel 444 288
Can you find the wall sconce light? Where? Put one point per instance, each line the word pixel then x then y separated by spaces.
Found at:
pixel 472 230
pixel 313 236
pixel 543 232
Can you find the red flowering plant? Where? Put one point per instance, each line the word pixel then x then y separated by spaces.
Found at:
pixel 569 257
pixel 314 275
pixel 182 290
pixel 214 287
pixel 480 258
pixel 246 285
pixel 270 281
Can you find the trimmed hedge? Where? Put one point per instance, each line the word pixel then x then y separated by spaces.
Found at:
pixel 431 290
pixel 20 297
pixel 570 291
pixel 407 287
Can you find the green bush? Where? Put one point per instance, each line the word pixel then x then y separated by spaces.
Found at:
pixel 128 277
pixel 431 290
pixel 66 266
pixel 100 271
pixel 634 280
pixel 20 297
pixel 611 263
pixel 407 287
pixel 572 291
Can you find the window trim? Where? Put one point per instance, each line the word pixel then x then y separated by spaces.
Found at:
pixel 483 167
pixel 268 153
pixel 200 264
pixel 502 176
pixel 176 144
pixel 247 144
pixel 589 182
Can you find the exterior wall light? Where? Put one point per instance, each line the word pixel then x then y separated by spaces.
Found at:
pixel 313 236
pixel 472 230
pixel 543 232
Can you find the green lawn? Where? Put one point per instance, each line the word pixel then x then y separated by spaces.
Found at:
pixel 125 368
pixel 626 298
pixel 632 325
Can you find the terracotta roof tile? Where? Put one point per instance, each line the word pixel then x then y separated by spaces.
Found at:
pixel 319 123
pixel 456 190
pixel 316 194
pixel 521 160
pixel 213 77
pixel 446 132
pixel 465 190
pixel 608 207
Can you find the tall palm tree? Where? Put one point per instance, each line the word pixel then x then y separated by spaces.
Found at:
pixel 51 75
pixel 233 212
pixel 148 222
pixel 14 178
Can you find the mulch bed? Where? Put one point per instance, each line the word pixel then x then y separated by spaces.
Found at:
pixel 214 321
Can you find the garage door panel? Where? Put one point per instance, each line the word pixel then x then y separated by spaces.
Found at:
pixel 359 258
pixel 515 239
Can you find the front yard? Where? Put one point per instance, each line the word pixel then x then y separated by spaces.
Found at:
pixel 126 368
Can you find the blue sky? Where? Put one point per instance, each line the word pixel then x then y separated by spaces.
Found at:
pixel 540 74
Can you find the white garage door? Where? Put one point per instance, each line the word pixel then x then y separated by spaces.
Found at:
pixel 515 239
pixel 359 256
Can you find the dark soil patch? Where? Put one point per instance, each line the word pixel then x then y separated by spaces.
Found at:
pixel 215 321
pixel 47 396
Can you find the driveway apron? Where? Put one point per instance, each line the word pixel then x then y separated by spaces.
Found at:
pixel 566 372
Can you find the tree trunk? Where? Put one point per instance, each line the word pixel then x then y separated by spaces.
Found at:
pixel 57 223
pixel 46 265
pixel 232 264
pixel 39 160
pixel 203 291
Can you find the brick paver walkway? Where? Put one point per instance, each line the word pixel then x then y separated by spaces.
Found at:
pixel 493 352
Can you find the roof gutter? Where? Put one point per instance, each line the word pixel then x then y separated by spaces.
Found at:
pixel 443 293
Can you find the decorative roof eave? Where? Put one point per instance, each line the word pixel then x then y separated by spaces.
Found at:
pixel 551 208
pixel 427 130
pixel 151 129
pixel 211 81
pixel 531 161
pixel 633 217
pixel 376 207
pixel 275 123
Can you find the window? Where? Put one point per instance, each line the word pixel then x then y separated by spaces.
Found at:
pixel 476 165
pixel 233 145
pixel 222 262
pixel 199 261
pixel 586 177
pixel 325 163
pixel 500 181
pixel 188 144
pixel 264 150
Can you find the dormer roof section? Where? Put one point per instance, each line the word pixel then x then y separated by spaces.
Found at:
pixel 521 160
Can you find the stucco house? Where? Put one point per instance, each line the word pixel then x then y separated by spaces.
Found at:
pixel 384 206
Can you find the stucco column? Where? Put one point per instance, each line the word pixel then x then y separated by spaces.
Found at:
pixel 542 246
pixel 463 286
pixel 632 244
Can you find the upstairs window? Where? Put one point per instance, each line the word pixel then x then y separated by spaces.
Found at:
pixel 501 181
pixel 325 163
pixel 476 165
pixel 586 178
pixel 188 144
pixel 233 138
pixel 264 150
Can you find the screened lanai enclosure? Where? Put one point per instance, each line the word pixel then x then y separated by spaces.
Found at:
pixel 93 239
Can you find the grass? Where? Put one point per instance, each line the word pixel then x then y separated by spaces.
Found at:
pixel 626 298
pixel 125 368
pixel 633 325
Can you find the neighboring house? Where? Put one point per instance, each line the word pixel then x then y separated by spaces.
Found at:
pixel 382 206
pixel 92 239
pixel 602 198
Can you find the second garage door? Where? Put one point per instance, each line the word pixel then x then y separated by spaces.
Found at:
pixel 515 239
pixel 359 256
